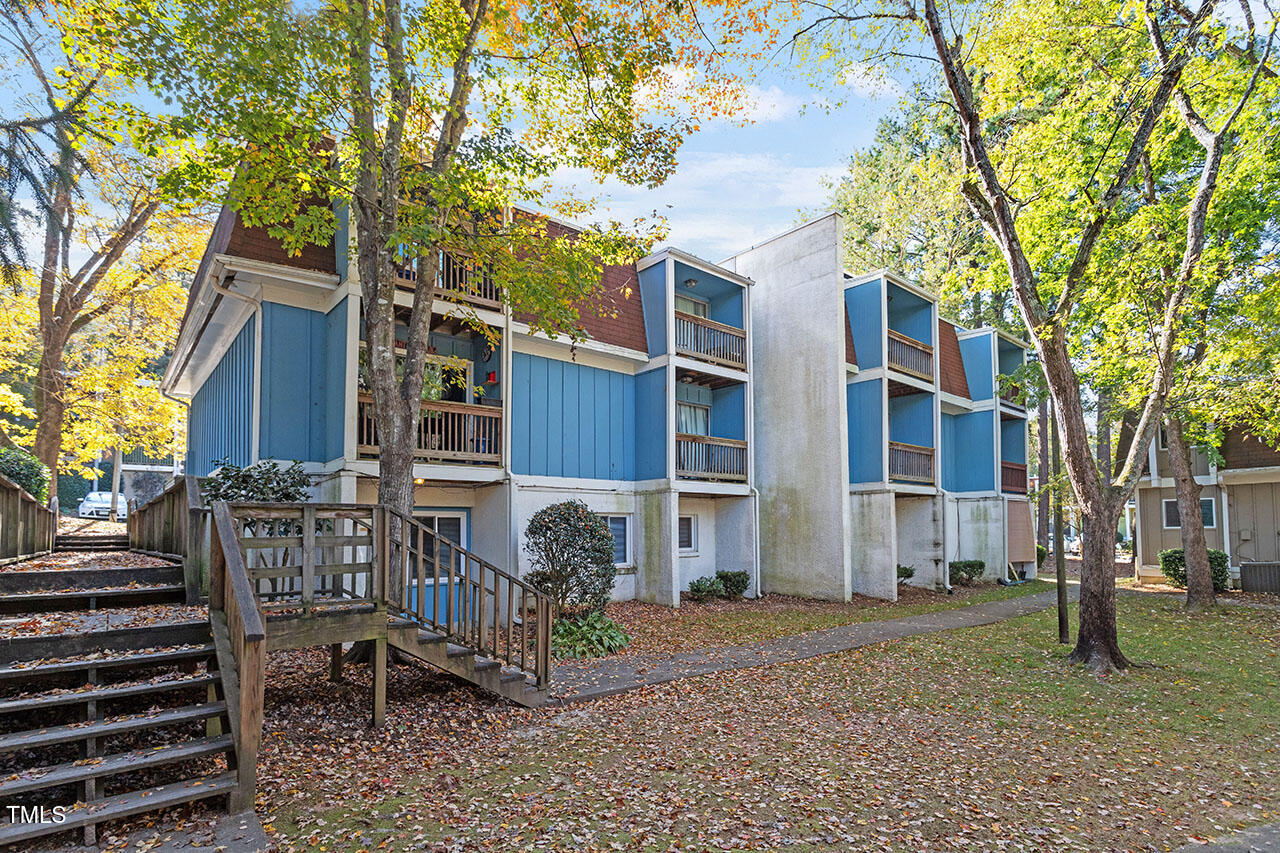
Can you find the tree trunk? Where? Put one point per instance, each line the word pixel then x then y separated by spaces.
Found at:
pixel 1042 469
pixel 1096 642
pixel 1195 550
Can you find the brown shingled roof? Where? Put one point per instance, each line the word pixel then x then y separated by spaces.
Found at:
pixel 950 362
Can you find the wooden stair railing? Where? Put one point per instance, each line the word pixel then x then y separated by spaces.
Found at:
pixel 27 527
pixel 483 608
pixel 174 525
pixel 240 641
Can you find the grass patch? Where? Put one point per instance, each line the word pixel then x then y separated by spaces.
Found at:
pixel 977 739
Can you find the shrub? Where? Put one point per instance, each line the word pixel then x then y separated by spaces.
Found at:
pixel 592 635
pixel 263 481
pixel 906 572
pixel 27 471
pixel 1173 565
pixel 1042 554
pixel 966 571
pixel 700 589
pixel 735 583
pixel 571 550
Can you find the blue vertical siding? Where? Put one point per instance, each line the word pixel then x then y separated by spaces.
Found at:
pixel 910 315
pixel 653 300
pixel 911 419
pixel 978 372
pixel 295 384
pixel 221 414
pixel 866 431
pixel 1013 441
pixel 568 420
pixel 863 304
pixel 729 412
pixel 968 452
pixel 651 424
pixel 335 400
pixel 1011 357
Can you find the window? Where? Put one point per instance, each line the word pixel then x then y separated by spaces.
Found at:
pixel 693 419
pixel 452 526
pixel 687 533
pixel 619 527
pixel 689 305
pixel 1208 513
pixel 1162 439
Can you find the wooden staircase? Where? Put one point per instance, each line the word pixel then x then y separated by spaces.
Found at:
pixel 462 661
pixel 64 542
pixel 106 732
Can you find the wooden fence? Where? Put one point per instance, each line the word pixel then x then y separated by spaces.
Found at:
pixel 175 525
pixel 27 527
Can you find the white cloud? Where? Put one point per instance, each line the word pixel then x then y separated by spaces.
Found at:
pixel 718 203
pixel 867 81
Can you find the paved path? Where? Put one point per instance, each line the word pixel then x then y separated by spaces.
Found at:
pixel 1259 839
pixel 584 680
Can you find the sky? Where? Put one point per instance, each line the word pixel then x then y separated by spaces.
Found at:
pixel 736 186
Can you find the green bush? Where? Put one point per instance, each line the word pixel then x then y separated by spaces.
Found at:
pixel 1173 565
pixel 1042 554
pixel 735 583
pixel 701 589
pixel 263 482
pixel 966 571
pixel 592 635
pixel 571 550
pixel 27 471
pixel 906 572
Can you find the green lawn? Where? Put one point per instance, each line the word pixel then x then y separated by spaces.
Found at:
pixel 697 625
pixel 976 739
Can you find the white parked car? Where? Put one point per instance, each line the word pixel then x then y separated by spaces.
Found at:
pixel 98 505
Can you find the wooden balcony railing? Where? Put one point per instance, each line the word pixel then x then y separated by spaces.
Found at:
pixel 459 277
pixel 910 462
pixel 910 356
pixel 1013 477
pixel 447 432
pixel 702 457
pixel 707 340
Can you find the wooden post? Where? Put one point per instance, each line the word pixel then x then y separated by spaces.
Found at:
pixel 335 662
pixel 308 559
pixel 253 667
pixel 379 682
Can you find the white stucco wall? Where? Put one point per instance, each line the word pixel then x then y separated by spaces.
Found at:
pixel 800 435
pixel 736 536
pixel 702 560
pixel 918 519
pixel 978 525
pixel 873 530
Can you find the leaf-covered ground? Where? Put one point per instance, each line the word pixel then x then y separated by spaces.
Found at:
pixel 81 560
pixel 710 624
pixel 983 739
pixel 69 524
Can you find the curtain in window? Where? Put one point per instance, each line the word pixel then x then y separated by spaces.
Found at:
pixel 693 420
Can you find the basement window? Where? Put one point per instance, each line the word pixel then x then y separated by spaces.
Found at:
pixel 687 534
pixel 1208 514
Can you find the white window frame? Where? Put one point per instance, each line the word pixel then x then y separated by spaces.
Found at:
pixel 420 512
pixel 692 550
pixel 626 518
pixel 680 403
pixel 1164 513
pixel 703 302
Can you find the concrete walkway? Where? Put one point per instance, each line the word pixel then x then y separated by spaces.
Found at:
pixel 1259 839
pixel 583 680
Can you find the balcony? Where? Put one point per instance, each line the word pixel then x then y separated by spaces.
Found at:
pixel 460 278
pixel 1009 396
pixel 447 432
pixel 1013 478
pixel 707 340
pixel 702 457
pixel 910 463
pixel 910 356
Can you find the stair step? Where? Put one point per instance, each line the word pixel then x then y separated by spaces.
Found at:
pixel 508 677
pixel 56 667
pixel 454 650
pixel 28 602
pixel 141 759
pixel 123 725
pixel 484 664
pixel 124 805
pixel 103 694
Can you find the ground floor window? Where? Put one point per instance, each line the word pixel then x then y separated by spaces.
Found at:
pixel 620 529
pixel 687 533
pixel 1208 513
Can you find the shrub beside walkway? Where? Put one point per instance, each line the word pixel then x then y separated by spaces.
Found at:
pixel 580 681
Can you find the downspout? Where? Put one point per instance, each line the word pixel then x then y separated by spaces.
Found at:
pixel 755 550
pixel 256 423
